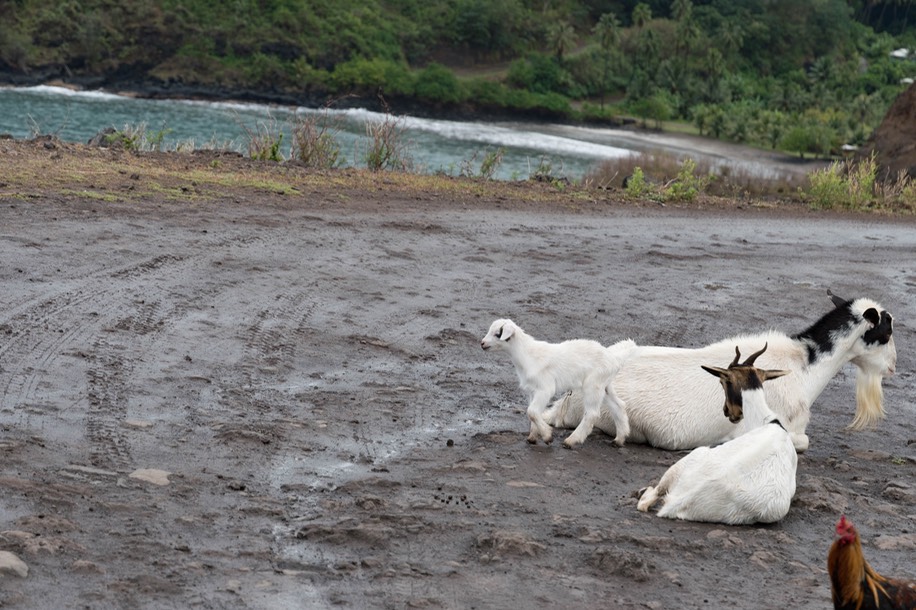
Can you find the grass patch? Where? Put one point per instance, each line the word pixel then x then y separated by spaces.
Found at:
pixel 665 176
pixel 854 185
pixel 33 170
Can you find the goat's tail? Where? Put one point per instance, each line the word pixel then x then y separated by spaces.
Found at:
pixel 869 401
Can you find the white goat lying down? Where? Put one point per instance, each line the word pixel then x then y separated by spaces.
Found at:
pixel 672 404
pixel 749 479
pixel 547 368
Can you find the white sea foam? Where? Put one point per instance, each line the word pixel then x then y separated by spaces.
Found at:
pixel 64 91
pixel 523 137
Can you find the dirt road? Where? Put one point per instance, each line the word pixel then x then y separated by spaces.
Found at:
pixel 225 386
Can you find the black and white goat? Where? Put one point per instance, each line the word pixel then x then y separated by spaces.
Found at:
pixel 672 404
pixel 544 369
pixel 749 479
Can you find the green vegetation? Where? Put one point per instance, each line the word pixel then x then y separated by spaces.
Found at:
pixel 805 77
pixel 386 146
pixel 844 185
pixel 686 186
pixel 636 186
pixel 314 142
pixel 854 186
pixel 688 183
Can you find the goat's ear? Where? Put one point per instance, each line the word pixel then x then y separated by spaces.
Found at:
pixel 714 370
pixel 871 314
pixel 772 374
pixel 506 331
pixel 837 301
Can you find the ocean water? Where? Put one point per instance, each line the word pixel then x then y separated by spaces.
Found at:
pixel 432 145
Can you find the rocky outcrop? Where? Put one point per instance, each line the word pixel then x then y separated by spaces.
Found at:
pixel 894 142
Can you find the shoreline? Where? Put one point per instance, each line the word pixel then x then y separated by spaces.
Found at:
pixel 727 157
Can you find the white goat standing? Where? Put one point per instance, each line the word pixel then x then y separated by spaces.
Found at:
pixel 749 479
pixel 544 369
pixel 671 404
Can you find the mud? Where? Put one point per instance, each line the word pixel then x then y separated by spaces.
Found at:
pixel 280 401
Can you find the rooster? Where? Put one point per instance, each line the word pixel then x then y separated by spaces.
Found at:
pixel 855 585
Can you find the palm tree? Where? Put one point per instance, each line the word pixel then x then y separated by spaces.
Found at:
pixel 687 30
pixel 714 66
pixel 608 31
pixel 731 37
pixel 562 38
pixel 682 10
pixel 642 15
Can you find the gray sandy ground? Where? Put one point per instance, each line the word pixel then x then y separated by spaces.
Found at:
pixel 312 383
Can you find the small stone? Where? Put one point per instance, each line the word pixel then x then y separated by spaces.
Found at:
pixel 86 567
pixel 523 484
pixel 892 543
pixel 90 470
pixel 10 564
pixel 151 475
pixel 138 423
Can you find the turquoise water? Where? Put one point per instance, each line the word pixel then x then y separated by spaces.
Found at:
pixel 433 145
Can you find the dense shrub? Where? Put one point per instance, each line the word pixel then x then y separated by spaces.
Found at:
pixel 538 73
pixel 436 83
pixel 370 75
pixel 486 92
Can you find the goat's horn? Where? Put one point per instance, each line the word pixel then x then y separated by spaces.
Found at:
pixel 837 301
pixel 752 357
pixel 737 358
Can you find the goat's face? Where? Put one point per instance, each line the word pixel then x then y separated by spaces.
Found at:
pixel 500 332
pixel 734 381
pixel 740 377
pixel 879 356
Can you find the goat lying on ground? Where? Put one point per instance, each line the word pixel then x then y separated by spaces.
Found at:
pixel 547 368
pixel 672 404
pixel 749 479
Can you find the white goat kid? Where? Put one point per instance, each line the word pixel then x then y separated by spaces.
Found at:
pixel 749 479
pixel 544 369
pixel 672 404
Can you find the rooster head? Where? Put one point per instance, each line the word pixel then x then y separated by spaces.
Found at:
pixel 845 531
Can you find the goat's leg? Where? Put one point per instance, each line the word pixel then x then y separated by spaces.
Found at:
pixel 619 413
pixel 539 427
pixel 648 496
pixel 592 395
pixel 554 415
pixel 800 441
pixel 651 495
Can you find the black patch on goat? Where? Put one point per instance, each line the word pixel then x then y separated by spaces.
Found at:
pixel 819 337
pixel 778 423
pixel 884 327
pixel 734 395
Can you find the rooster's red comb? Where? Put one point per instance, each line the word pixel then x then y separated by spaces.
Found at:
pixel 843 526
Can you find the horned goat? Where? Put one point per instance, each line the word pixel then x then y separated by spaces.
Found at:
pixel 547 368
pixel 749 479
pixel 671 404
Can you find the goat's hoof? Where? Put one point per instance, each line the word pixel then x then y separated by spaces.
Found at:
pixel 532 441
pixel 571 443
pixel 547 441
